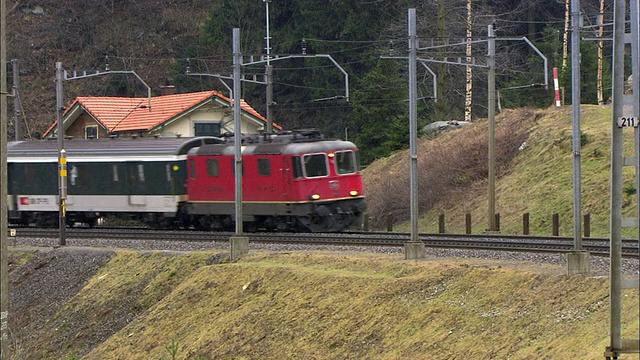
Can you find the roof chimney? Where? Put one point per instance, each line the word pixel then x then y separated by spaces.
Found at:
pixel 167 90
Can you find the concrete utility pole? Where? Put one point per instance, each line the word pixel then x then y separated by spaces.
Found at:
pixel 269 74
pixel 626 113
pixel 577 260
pixel 491 106
pixel 237 123
pixel 413 124
pixel 239 244
pixel 4 275
pixel 414 249
pixel 62 159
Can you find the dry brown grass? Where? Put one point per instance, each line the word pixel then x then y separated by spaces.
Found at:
pixel 447 165
pixel 330 305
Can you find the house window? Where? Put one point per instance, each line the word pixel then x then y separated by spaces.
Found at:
pixel 91 132
pixel 206 129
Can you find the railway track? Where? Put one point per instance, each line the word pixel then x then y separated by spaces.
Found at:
pixel 494 242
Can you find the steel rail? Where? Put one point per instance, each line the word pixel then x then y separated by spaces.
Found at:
pixel 494 242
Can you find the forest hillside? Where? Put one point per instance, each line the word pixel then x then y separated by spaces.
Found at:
pixel 187 43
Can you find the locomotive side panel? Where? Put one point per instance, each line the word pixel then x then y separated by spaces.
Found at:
pixel 263 180
pixel 210 179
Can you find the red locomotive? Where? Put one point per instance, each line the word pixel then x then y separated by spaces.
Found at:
pixel 293 181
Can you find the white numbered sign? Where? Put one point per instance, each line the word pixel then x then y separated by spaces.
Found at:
pixel 628 121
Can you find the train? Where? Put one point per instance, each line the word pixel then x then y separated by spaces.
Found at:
pixel 291 181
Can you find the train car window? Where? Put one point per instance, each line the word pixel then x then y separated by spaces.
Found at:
pixel 168 172
pixel 212 167
pixel 33 178
pixel 315 165
pixel 192 168
pixel 345 162
pixel 115 173
pixel 73 174
pixel 264 167
pixel 297 167
pixel 141 173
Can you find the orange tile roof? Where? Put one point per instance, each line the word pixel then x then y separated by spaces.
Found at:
pixel 133 114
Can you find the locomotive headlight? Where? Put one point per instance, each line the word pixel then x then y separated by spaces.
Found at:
pixel 353 192
pixel 315 197
pixel 331 155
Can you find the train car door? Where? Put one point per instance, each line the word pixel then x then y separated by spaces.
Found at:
pixel 137 183
pixel 285 180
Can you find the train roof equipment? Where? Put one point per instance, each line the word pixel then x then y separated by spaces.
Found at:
pixel 288 142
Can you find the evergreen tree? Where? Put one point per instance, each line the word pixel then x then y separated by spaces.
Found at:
pixel 380 111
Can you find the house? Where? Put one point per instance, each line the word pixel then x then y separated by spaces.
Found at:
pixel 206 113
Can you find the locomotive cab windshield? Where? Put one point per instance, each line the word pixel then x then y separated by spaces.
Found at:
pixel 346 162
pixel 310 166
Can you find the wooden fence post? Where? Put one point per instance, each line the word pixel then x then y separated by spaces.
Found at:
pixel 441 224
pixel 390 223
pixel 525 223
pixel 467 223
pixel 587 225
pixel 556 224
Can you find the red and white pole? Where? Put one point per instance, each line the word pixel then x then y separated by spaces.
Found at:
pixel 556 87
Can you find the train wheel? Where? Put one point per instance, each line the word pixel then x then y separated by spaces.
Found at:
pixel 321 221
pixel 203 223
pixel 328 219
pixel 46 220
pixel 250 226
pixel 158 221
pixel 315 224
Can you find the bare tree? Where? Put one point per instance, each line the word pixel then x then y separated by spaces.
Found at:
pixel 600 54
pixel 469 70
